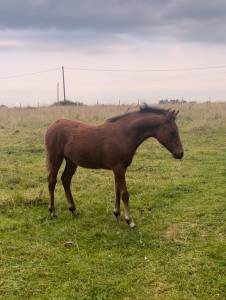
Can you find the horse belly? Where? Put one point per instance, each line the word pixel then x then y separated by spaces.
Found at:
pixel 89 161
pixel 86 157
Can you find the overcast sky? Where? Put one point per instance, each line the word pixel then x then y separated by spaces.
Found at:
pixel 155 44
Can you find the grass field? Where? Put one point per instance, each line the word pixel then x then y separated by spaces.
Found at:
pixel 177 251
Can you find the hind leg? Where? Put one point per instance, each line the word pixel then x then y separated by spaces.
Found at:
pixel 69 171
pixel 52 180
pixel 117 201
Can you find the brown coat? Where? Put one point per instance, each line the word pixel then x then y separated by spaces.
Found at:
pixel 110 145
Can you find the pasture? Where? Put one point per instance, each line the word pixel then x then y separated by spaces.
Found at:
pixel 177 251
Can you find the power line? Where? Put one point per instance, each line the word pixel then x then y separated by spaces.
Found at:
pixel 202 68
pixel 147 70
pixel 30 74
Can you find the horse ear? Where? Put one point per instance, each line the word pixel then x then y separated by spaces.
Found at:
pixel 172 114
pixel 169 114
pixel 176 113
pixel 143 106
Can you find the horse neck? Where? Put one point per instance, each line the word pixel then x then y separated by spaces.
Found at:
pixel 144 126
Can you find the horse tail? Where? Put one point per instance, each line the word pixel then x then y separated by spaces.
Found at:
pixel 54 155
pixel 48 164
pixel 47 147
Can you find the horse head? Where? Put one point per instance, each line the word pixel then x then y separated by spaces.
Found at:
pixel 168 135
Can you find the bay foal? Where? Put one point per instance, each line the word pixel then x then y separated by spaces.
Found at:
pixel 110 145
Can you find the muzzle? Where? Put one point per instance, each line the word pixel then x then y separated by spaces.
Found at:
pixel 178 155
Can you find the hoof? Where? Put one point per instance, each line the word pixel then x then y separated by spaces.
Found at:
pixel 117 216
pixel 53 215
pixel 74 212
pixel 130 223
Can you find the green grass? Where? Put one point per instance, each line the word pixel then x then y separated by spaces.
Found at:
pixel 177 251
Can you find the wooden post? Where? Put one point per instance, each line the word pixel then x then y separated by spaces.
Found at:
pixel 63 84
pixel 58 98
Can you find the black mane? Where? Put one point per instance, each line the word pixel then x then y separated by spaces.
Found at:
pixel 153 109
pixel 143 109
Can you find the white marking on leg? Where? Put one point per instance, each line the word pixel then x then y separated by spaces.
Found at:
pixel 127 214
pixel 132 225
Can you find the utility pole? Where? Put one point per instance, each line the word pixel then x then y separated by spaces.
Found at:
pixel 58 92
pixel 63 84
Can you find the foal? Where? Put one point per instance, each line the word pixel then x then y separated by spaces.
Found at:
pixel 110 145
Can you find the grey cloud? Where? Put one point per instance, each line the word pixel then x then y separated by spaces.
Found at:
pixel 197 10
pixel 59 40
pixel 113 16
pixel 99 20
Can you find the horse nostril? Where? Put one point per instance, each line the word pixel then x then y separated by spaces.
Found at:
pixel 179 155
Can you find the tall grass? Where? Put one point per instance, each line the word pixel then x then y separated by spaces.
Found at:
pixel 176 252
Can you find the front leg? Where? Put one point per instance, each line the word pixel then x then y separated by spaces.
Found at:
pixel 121 192
pixel 125 199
